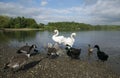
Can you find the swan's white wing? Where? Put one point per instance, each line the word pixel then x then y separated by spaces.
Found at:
pixel 58 39
pixel 68 41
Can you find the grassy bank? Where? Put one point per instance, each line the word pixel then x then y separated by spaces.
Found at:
pixel 62 67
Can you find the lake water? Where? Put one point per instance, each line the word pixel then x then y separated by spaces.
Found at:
pixel 109 41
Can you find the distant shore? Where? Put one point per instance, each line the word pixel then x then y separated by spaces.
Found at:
pixel 19 29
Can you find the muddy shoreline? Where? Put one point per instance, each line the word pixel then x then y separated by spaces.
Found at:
pixel 62 67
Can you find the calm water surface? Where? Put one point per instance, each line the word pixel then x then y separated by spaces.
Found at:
pixel 109 41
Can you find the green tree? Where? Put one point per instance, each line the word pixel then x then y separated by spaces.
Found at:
pixel 4 21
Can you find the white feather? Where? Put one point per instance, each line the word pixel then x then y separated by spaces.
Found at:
pixel 70 40
pixel 56 38
pixel 15 66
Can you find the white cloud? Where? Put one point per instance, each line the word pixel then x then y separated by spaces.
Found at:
pixel 100 12
pixel 44 2
pixel 105 10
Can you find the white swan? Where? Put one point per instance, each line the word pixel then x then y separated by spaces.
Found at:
pixel 56 38
pixel 70 40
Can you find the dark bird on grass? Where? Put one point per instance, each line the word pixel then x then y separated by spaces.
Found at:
pixel 27 49
pixel 74 53
pixel 101 55
pixel 17 62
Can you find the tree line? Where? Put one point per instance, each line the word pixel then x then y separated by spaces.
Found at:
pixel 18 22
pixel 79 26
pixel 22 22
pixel 68 26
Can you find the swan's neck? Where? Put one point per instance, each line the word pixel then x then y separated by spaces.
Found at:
pixel 56 33
pixel 72 36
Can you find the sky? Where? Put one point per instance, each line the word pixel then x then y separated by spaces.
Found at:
pixel 102 12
